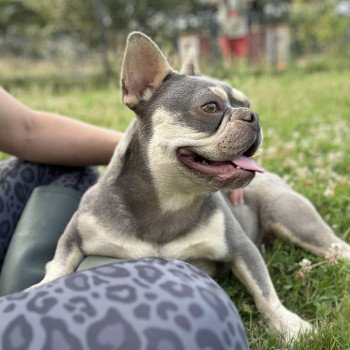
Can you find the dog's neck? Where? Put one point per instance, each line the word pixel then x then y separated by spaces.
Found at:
pixel 130 178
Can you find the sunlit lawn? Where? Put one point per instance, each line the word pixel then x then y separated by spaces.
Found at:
pixel 306 122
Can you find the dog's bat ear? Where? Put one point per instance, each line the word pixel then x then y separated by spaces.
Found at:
pixel 144 69
pixel 190 66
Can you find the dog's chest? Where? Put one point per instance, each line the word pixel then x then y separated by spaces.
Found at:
pixel 203 241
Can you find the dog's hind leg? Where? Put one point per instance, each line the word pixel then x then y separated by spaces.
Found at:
pixel 290 216
pixel 68 254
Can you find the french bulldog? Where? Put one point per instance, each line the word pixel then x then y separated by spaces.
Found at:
pixel 164 192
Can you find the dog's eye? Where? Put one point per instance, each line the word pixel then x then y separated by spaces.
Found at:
pixel 211 107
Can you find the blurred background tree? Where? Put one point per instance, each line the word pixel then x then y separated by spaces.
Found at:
pixel 48 20
pixel 320 26
pixel 81 36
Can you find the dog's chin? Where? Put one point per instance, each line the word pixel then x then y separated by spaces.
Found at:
pixel 234 173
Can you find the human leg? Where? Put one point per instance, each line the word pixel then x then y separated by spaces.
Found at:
pixel 148 303
pixel 18 179
pixel 225 45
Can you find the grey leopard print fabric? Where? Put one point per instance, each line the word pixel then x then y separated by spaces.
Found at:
pixel 17 181
pixel 150 304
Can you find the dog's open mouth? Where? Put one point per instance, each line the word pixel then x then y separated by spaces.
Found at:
pixel 222 169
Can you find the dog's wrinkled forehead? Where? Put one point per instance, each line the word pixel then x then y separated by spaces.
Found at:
pixel 235 97
pixel 203 88
pixel 183 96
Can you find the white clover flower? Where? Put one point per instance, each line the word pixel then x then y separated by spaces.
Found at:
pixel 333 253
pixel 305 265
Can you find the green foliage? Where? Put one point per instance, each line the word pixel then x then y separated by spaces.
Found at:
pixel 317 27
pixel 19 16
pixel 40 20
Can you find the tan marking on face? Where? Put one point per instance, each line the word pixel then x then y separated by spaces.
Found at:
pixel 219 92
pixel 239 96
pixel 174 191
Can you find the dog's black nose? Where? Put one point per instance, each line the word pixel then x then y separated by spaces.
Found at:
pixel 245 114
pixel 250 116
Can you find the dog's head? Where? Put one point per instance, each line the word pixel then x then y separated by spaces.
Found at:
pixel 198 130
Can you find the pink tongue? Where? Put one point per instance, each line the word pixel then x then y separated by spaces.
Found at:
pixel 247 164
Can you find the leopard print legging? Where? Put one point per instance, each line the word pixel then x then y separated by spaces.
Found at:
pixel 150 304
pixel 17 181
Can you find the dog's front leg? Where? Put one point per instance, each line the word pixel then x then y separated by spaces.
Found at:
pixel 249 266
pixel 68 254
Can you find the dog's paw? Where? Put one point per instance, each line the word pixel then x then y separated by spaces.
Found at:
pixel 289 325
pixel 337 250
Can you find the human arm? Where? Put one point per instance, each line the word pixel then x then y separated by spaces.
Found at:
pixel 52 139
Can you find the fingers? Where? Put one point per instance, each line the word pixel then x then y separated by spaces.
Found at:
pixel 237 196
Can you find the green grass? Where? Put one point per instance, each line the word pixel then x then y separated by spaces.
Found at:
pixel 306 122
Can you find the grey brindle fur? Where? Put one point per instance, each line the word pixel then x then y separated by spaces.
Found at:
pixel 150 202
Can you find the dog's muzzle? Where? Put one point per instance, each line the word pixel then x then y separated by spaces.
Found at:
pixel 240 134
